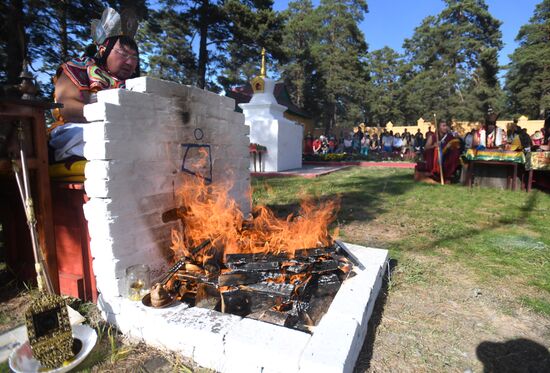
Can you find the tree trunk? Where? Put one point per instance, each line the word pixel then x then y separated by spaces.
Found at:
pixel 330 118
pixel 203 51
pixel 16 41
pixel 64 37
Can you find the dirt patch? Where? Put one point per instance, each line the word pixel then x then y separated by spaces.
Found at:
pixel 12 312
pixel 451 322
pixel 14 300
pixel 377 233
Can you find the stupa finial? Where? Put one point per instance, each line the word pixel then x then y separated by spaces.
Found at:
pixel 262 69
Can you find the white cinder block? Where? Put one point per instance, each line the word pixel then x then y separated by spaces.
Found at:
pixel 126 99
pixel 334 347
pixel 116 188
pixel 251 346
pixel 157 87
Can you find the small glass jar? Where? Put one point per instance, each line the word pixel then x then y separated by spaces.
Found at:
pixel 138 282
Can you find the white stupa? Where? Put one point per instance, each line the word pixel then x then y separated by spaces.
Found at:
pixel 268 126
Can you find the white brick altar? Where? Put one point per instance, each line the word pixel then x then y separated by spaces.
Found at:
pixel 231 344
pixel 134 152
pixel 133 145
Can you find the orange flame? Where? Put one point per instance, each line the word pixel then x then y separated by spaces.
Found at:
pixel 208 212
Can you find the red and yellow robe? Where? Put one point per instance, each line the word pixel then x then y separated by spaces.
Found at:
pixel 86 76
pixel 450 148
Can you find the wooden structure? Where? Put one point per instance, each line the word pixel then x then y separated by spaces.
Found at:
pixel 511 175
pixel 74 260
pixel 19 256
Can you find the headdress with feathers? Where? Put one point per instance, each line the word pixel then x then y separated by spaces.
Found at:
pixel 113 24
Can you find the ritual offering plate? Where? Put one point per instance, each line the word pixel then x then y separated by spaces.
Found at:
pixel 22 361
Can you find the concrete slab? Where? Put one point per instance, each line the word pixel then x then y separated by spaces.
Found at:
pixel 307 171
pixel 383 164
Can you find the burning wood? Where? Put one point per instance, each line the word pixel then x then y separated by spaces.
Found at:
pixel 283 271
pixel 293 292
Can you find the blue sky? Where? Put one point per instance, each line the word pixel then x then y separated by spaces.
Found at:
pixel 390 22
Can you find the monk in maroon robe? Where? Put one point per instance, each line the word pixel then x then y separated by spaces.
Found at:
pixel 448 146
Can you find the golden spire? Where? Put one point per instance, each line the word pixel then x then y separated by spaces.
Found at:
pixel 262 70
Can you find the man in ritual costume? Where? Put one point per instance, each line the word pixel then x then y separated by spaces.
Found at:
pixel 113 58
pixel 449 146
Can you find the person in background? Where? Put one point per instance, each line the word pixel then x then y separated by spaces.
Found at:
pixel 387 142
pixel 348 144
pixel 405 145
pixel 510 134
pixel 546 130
pixel 365 144
pixel 374 143
pixel 537 139
pixel 418 141
pixel 356 140
pixel 397 144
pixel 382 135
pixel 525 139
pixel 324 145
pixel 469 139
pixel 429 133
pixel 331 144
pixel 317 146
pixel 410 141
pixel 449 146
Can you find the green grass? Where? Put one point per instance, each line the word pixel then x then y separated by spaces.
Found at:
pixel 537 305
pixel 4 367
pixel 500 235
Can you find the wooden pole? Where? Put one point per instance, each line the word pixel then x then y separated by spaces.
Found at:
pixel 439 151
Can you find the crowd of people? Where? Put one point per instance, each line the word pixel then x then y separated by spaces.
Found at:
pixel 427 147
pixel 362 142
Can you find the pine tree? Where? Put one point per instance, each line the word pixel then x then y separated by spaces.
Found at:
pixel 340 59
pixel 253 26
pixel 385 67
pixel 528 76
pixel 166 42
pixel 12 39
pixel 60 30
pixel 453 63
pixel 300 36
pixel 230 34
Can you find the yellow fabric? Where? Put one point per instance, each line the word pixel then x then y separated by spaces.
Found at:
pixel 60 171
pixel 516 143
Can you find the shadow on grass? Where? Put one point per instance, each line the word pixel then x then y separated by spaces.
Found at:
pixel 516 355
pixel 361 197
pixel 504 221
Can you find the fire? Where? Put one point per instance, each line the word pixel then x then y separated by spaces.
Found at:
pixel 207 212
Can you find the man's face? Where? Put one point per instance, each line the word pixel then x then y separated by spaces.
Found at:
pixel 122 61
pixel 443 127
